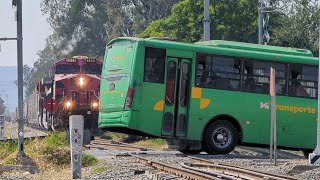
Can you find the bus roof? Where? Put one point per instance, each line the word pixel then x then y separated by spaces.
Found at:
pixel 238 49
pixel 257 47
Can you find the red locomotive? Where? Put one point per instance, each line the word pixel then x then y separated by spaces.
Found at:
pixel 73 90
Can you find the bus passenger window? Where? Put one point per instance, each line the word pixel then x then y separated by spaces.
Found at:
pixel 303 81
pixel 154 65
pixel 256 77
pixel 218 72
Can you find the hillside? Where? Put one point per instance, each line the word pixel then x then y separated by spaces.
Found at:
pixel 8 90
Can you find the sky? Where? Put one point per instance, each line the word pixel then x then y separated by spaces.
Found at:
pixel 35 30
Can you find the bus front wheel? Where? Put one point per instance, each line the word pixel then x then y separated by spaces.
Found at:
pixel 220 138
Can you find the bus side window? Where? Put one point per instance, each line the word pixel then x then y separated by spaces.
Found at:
pixel 303 81
pixel 201 78
pixel 154 65
pixel 257 76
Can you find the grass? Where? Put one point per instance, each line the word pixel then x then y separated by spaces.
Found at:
pixel 115 136
pixel 51 152
pixel 100 169
pixel 7 148
pixel 153 143
pixel 88 160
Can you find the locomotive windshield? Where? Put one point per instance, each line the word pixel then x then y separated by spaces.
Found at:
pixel 67 69
pixel 91 69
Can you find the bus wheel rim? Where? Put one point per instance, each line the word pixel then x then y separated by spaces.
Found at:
pixel 221 137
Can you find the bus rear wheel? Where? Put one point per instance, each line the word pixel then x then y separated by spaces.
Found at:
pixel 220 138
pixel 306 153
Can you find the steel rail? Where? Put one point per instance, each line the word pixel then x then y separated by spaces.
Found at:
pixel 185 173
pixel 241 171
pixel 117 144
pixel 99 143
pixel 105 146
pixel 222 174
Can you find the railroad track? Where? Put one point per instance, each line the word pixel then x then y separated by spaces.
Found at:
pixel 227 170
pixel 206 169
pixel 104 144
pixel 185 173
pixel 199 169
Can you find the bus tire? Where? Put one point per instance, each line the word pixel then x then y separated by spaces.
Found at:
pixel 220 137
pixel 306 153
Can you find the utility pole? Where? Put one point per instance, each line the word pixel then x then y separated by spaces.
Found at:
pixel 261 6
pixel 206 21
pixel 18 4
pixel 314 158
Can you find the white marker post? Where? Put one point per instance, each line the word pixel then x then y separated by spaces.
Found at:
pixel 1 127
pixel 273 125
pixel 76 138
pixel 314 158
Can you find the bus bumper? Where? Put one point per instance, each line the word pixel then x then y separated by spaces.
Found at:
pixel 114 119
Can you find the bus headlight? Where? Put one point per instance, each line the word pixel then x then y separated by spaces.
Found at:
pixel 81 81
pixel 68 104
pixel 95 104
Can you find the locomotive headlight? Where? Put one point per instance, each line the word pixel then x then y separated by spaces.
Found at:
pixel 68 104
pixel 81 81
pixel 95 104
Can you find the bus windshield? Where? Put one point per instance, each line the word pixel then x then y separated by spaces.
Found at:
pixel 91 69
pixel 67 69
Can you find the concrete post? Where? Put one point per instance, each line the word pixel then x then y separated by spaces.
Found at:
pixel 1 127
pixel 76 138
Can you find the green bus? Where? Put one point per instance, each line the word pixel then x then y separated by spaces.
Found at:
pixel 209 96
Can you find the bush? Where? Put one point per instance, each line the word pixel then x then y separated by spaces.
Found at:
pixel 11 159
pixel 57 139
pixel 88 160
pixel 7 148
pixel 57 155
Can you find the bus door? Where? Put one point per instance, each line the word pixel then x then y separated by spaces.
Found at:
pixel 175 116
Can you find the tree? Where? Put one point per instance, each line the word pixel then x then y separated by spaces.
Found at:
pixel 84 27
pixel 2 106
pixel 300 27
pixel 42 67
pixel 295 25
pixel 230 20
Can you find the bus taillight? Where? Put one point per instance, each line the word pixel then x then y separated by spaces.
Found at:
pixel 129 98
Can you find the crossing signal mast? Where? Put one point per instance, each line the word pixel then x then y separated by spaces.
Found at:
pixel 18 5
pixel 263 22
pixel 314 158
pixel 206 20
